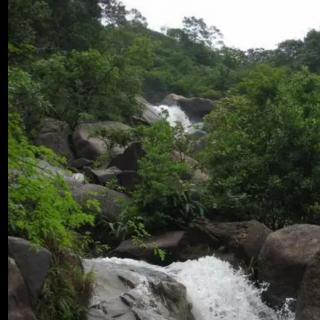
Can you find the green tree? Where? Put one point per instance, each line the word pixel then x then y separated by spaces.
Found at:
pixel 199 32
pixel 88 82
pixel 163 197
pixel 25 97
pixel 264 149
pixel 41 207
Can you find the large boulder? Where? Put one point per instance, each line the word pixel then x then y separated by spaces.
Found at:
pixel 126 291
pixel 87 144
pixel 149 114
pixel 283 259
pixel 236 242
pixel 110 202
pixel 55 135
pixel 195 108
pixel 127 162
pixel 33 263
pixel 308 302
pixel 101 175
pixel 19 303
pixel 45 168
pixel 170 242
pixel 128 159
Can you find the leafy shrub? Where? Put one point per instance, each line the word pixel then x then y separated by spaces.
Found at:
pixel 163 197
pixel 88 83
pixel 41 206
pixel 264 149
pixel 26 98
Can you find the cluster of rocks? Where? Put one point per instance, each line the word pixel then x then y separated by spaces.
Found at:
pixel 288 259
pixel 83 146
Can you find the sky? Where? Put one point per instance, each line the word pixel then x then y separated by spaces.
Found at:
pixel 244 23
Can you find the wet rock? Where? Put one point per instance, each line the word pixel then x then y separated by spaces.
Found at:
pixel 195 108
pixel 134 292
pixel 33 263
pixel 283 260
pixel 149 114
pixel 308 302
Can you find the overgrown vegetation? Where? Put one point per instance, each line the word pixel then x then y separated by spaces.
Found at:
pixel 42 210
pixel 265 143
pixel 164 196
pixel 262 148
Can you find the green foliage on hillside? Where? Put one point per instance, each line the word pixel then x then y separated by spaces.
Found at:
pixel 87 82
pixel 262 149
pixel 164 198
pixel 41 208
pixel 265 148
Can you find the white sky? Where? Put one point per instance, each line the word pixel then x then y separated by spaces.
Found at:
pixel 244 23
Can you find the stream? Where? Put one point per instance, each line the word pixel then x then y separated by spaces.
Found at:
pixel 127 289
pixel 214 288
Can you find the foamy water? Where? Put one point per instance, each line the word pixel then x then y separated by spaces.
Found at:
pixel 216 290
pixel 175 115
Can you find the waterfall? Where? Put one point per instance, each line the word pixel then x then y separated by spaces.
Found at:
pixel 217 292
pixel 215 289
pixel 175 114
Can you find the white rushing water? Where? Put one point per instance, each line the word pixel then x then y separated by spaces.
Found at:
pixel 216 290
pixel 175 114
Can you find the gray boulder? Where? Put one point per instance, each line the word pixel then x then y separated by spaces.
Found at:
pixel 283 260
pixel 45 168
pixel 128 159
pixel 55 134
pixel 19 304
pixel 149 114
pixel 171 242
pixel 127 162
pixel 101 176
pixel 308 301
pixel 110 202
pixel 88 145
pixel 195 108
pixel 132 292
pixel 33 263
pixel 236 242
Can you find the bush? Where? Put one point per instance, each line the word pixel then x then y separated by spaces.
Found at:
pixel 26 98
pixel 163 198
pixel 89 83
pixel 42 210
pixel 41 207
pixel 264 149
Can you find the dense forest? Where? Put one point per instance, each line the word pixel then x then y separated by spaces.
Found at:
pixel 85 61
